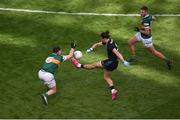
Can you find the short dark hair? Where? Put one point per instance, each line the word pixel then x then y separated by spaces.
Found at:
pixel 144 8
pixel 56 49
pixel 105 34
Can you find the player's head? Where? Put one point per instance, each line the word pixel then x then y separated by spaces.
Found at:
pixel 57 50
pixel 105 37
pixel 144 11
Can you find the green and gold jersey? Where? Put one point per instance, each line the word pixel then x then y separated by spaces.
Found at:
pixel 146 23
pixel 51 63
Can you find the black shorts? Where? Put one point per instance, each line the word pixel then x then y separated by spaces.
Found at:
pixel 109 65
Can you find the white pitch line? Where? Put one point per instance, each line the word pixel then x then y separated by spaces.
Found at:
pixel 85 14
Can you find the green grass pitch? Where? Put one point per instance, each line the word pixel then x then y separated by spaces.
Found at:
pixel 146 89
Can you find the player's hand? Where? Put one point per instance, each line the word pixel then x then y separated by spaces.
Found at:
pixel 136 29
pixel 73 44
pixel 89 50
pixel 126 64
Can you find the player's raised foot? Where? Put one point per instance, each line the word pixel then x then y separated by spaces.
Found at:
pixel 44 98
pixel 132 59
pixel 114 94
pixel 75 62
pixel 169 64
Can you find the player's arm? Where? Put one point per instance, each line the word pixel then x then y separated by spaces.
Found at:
pixel 145 30
pixel 70 55
pixel 94 46
pixel 119 55
pixel 153 18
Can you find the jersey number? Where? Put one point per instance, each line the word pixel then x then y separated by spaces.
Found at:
pixel 49 59
pixel 52 60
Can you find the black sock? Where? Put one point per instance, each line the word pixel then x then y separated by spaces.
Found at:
pixel 82 66
pixel 166 60
pixel 111 87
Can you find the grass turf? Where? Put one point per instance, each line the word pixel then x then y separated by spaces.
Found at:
pixel 146 89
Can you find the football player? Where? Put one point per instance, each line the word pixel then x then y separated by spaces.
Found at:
pixel 48 68
pixel 109 64
pixel 144 34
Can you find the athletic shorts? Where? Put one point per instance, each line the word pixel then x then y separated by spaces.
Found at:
pixel 47 78
pixel 147 42
pixel 109 65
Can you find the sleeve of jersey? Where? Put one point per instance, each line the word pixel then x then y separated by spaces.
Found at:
pixel 63 58
pixel 112 46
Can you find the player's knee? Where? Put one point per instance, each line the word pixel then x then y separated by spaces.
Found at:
pixel 54 89
pixel 105 77
pixel 130 42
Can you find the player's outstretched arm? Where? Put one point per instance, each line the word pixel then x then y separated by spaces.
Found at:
pixel 94 46
pixel 70 55
pixel 119 55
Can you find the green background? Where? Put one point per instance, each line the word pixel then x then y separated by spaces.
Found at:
pixel 147 89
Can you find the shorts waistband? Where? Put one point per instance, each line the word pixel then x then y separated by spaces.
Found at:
pixel 43 70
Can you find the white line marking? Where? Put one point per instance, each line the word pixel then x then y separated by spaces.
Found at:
pixel 85 14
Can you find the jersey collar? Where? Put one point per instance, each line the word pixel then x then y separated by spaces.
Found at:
pixel 146 16
pixel 110 41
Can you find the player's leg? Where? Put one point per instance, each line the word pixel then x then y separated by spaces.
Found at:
pixel 87 66
pixel 51 91
pixel 92 66
pixel 50 82
pixel 131 44
pixel 109 66
pixel 107 78
pixel 156 53
pixel 160 55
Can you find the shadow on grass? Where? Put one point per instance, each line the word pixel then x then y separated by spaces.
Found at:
pixel 144 97
pixel 41 32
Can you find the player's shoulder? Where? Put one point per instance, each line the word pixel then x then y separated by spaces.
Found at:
pixel 55 55
pixel 149 17
pixel 112 43
pixel 59 56
pixel 51 55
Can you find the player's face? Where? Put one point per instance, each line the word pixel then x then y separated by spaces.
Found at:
pixel 59 52
pixel 104 41
pixel 143 13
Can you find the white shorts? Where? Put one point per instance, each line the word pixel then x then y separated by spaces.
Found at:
pixel 47 78
pixel 147 42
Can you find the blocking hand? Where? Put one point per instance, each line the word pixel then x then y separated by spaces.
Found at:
pixel 136 29
pixel 126 64
pixel 89 50
pixel 73 44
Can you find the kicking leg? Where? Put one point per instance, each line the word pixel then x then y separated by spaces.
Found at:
pixel 86 66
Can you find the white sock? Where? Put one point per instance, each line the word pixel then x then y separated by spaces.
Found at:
pixel 78 65
pixel 112 90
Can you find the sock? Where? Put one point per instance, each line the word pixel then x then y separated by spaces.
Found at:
pixel 82 66
pixel 166 60
pixel 46 94
pixel 112 88
pixel 133 56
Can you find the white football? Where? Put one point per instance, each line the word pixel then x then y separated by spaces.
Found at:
pixel 78 54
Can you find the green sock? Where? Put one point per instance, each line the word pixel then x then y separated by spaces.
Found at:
pixel 166 59
pixel 133 56
pixel 46 94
